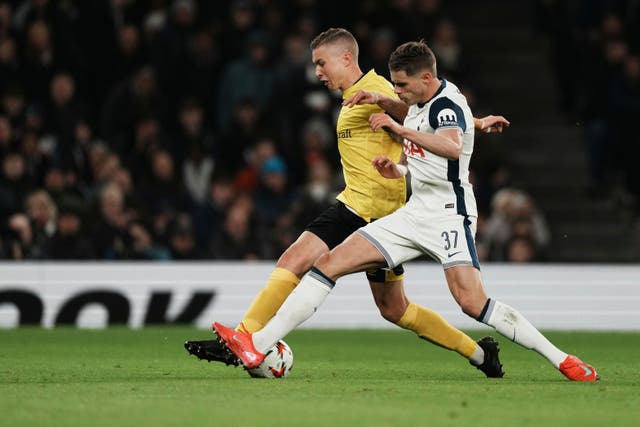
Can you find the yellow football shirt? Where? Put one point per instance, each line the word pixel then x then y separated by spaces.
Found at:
pixel 366 191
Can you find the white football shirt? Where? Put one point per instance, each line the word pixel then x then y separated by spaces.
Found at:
pixel 441 186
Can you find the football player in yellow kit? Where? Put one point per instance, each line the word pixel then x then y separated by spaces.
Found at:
pixel 367 196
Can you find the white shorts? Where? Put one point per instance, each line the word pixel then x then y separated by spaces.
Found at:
pixel 402 236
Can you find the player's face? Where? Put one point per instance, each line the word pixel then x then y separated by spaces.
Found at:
pixel 410 89
pixel 330 65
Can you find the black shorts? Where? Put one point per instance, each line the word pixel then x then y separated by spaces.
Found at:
pixel 337 223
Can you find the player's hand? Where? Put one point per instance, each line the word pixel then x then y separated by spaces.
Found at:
pixel 492 124
pixel 361 97
pixel 386 167
pixel 382 121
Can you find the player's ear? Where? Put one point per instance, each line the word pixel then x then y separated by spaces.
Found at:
pixel 347 57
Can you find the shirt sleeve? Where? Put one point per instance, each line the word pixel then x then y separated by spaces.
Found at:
pixel 446 114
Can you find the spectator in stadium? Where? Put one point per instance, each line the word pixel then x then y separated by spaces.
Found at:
pixel 317 145
pixel 248 179
pixel 64 109
pixel 105 166
pixel 247 77
pixel 6 21
pixel 39 61
pixel 193 131
pixel 130 100
pixel 110 227
pixel 14 106
pixel 448 50
pixel 513 210
pixel 182 241
pixel 141 244
pixel 170 46
pixel 43 213
pixel 14 183
pixel 238 238
pixel 274 199
pixel 148 136
pixel 209 216
pixel 521 250
pixel 74 157
pixel 383 40
pixel 199 69
pixel 7 140
pixel 318 194
pixel 36 154
pixel 244 130
pixel 56 184
pixel 164 189
pixel 236 29
pixel 9 63
pixel 131 52
pixel 16 238
pixel 197 170
pixel 71 241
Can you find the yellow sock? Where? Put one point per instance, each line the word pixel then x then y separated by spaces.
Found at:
pixel 434 328
pixel 265 305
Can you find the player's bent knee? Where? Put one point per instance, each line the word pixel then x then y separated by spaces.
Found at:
pixel 295 261
pixel 469 306
pixel 323 260
pixel 390 313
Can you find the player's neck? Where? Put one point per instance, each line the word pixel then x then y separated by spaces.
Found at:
pixel 432 88
pixel 353 74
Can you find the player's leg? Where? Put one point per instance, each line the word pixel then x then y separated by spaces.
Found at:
pixel 292 265
pixel 325 232
pixel 465 284
pixel 354 254
pixel 395 307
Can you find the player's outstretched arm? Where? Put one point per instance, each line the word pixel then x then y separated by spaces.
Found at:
pixel 491 124
pixel 393 106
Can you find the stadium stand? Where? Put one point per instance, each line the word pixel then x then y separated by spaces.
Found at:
pixel 194 130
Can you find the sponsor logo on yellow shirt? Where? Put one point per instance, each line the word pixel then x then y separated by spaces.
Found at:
pixel 344 133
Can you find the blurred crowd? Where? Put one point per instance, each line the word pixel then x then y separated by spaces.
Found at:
pixel 596 54
pixel 187 130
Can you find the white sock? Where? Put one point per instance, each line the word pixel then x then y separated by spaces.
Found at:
pixel 298 307
pixel 477 358
pixel 513 325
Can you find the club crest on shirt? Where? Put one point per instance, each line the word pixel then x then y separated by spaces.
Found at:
pixel 447 117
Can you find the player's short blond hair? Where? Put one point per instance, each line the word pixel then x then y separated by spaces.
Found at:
pixel 336 36
pixel 413 57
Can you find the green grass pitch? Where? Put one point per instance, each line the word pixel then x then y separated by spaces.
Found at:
pixel 122 377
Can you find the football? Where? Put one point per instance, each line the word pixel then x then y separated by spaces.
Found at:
pixel 276 364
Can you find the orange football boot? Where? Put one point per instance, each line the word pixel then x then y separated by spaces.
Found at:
pixel 240 344
pixel 576 370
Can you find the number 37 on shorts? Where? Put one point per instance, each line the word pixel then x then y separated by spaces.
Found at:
pixel 458 245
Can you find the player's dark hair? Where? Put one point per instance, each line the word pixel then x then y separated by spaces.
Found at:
pixel 336 35
pixel 413 57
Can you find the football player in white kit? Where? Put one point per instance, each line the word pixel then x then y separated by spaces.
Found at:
pixel 438 220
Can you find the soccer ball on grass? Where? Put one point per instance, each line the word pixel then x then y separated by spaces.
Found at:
pixel 276 364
